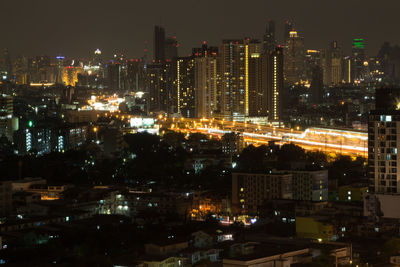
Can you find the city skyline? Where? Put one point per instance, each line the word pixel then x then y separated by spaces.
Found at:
pixel 124 27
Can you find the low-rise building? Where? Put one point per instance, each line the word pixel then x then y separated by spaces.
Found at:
pixel 354 192
pixel 251 190
pixel 270 255
pixel 310 185
pixel 315 227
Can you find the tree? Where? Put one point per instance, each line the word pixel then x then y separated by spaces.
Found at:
pixel 174 138
pixel 140 143
pixel 252 159
pixel 392 247
pixel 290 153
pixel 317 158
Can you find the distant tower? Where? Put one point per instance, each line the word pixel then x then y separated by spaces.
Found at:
pixel 97 58
pixel 333 64
pixel 358 58
pixel 317 85
pixel 7 64
pixel 145 55
pixel 289 26
pixel 60 65
pixel 236 75
pixel 274 82
pixel 159 44
pixel 269 37
pixel 294 59
pixel 171 48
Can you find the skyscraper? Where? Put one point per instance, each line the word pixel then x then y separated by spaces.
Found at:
pixel 7 65
pixel 114 74
pixel 274 83
pixel 206 80
pixel 159 44
pixel 171 48
pixel 234 68
pixel 256 94
pixel 135 75
pixel 269 42
pixel 8 123
pixel 156 88
pixel 383 136
pixel 383 159
pixel 358 58
pixel 289 26
pixel 21 70
pixel 184 95
pixel 60 66
pixel 294 59
pixel 317 85
pixel 332 64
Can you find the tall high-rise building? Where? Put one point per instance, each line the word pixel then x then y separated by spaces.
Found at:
pixel 274 82
pixel 204 50
pixel 7 65
pixel 156 88
pixel 37 67
pixel 383 155
pixel 294 66
pixel 234 57
pixel 171 48
pixel 206 80
pixel 70 75
pixel 269 42
pixel 313 59
pixel 289 26
pixel 21 70
pixel 8 123
pixel 358 58
pixel 135 75
pixel 317 85
pixel 184 99
pixel 97 60
pixel 332 64
pixel 159 44
pixel 383 142
pixel 59 66
pixel 256 94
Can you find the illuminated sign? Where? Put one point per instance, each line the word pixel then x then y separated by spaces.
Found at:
pixel 148 122
pixel 136 122
pixel 358 43
pixel 139 122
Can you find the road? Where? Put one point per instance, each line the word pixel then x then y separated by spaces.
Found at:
pixel 328 140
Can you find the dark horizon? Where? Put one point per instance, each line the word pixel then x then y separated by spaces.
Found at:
pixel 76 28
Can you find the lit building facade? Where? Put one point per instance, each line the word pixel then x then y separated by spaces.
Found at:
pixel 70 75
pixel 157 89
pixel 383 161
pixel 383 142
pixel 184 93
pixel 8 123
pixel 251 190
pixel 235 56
pixel 332 65
pixel 294 59
pixel 274 82
pixel 205 86
pixel 357 60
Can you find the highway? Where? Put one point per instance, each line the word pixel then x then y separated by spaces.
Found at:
pixel 328 140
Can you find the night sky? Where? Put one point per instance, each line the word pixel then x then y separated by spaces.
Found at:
pixel 75 28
